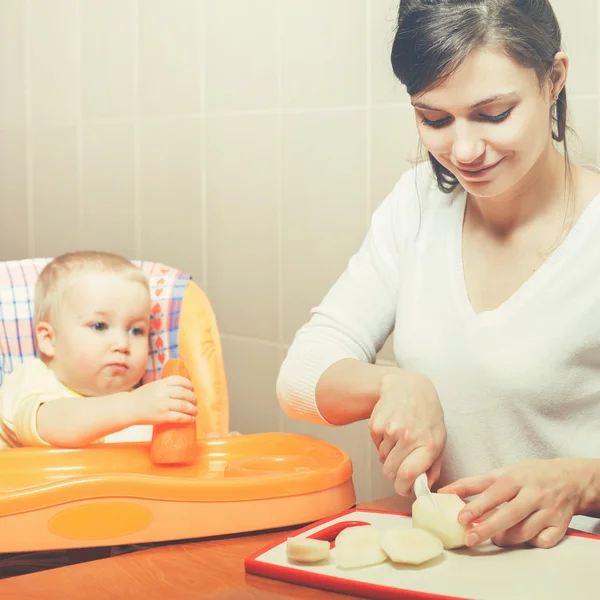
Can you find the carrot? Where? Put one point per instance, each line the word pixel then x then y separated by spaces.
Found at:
pixel 174 443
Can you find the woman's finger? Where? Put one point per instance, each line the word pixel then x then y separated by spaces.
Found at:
pixel 491 494
pixel 415 463
pixel 523 531
pixel 395 458
pixel 386 446
pixel 377 422
pixel 433 474
pixel 469 486
pixel 549 537
pixel 376 437
pixel 515 511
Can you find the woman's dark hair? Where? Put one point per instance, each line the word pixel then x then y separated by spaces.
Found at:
pixel 434 37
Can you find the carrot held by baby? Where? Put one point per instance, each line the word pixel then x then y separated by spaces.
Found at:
pixel 174 443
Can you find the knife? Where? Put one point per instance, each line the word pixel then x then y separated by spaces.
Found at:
pixel 421 488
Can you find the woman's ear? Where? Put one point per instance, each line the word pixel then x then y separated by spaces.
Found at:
pixel 44 337
pixel 559 73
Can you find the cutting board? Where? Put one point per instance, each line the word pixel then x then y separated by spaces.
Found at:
pixel 569 571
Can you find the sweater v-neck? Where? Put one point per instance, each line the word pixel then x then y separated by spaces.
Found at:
pixel 536 281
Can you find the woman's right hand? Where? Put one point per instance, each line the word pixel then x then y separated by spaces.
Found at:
pixel 168 400
pixel 407 427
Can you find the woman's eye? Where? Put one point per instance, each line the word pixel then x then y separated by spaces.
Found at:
pixel 99 326
pixel 439 123
pixel 436 124
pixel 497 118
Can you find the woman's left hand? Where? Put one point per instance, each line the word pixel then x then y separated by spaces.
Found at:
pixel 541 497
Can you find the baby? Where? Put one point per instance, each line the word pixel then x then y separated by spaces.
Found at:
pixel 92 321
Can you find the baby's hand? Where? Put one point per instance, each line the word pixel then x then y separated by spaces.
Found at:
pixel 169 400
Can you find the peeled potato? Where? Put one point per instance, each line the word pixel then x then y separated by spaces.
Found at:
pixel 410 546
pixel 306 550
pixel 442 521
pixel 359 546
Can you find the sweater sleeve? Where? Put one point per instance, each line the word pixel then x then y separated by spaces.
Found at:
pixel 23 392
pixel 358 313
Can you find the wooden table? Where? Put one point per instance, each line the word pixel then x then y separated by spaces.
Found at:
pixel 210 569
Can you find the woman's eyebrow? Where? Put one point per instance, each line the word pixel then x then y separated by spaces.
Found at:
pixel 488 100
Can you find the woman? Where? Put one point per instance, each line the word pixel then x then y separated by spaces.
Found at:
pixel 484 262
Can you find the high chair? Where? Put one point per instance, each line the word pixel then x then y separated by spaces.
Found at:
pixel 112 494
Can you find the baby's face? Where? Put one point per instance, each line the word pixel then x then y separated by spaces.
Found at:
pixel 101 330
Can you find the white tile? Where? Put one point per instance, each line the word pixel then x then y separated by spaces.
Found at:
pixel 385 88
pixel 12 66
pixel 242 155
pixel 394 148
pixel 170 57
pixel 584 144
pixel 13 195
pixel 241 54
pixel 107 57
pixel 251 368
pixel 323 53
pixel 171 193
pixel 52 36
pixel 54 187
pixel 580 40
pixel 324 205
pixel 108 203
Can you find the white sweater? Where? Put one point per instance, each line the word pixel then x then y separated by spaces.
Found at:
pixel 518 382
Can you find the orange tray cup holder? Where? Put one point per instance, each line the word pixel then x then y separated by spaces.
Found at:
pixel 113 494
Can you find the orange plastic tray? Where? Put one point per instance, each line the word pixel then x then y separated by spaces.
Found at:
pixel 113 494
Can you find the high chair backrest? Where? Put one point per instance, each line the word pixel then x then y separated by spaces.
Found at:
pixel 17 286
pixel 182 324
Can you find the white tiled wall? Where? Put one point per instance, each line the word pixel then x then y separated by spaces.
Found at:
pixel 246 141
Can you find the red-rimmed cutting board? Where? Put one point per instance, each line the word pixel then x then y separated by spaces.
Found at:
pixel 569 571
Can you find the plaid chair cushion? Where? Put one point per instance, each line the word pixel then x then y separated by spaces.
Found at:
pixel 17 285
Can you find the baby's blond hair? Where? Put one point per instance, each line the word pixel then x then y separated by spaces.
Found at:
pixel 55 275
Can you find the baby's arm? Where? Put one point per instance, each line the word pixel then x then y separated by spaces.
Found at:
pixel 77 422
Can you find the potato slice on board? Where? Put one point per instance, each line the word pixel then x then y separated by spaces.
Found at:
pixel 357 547
pixel 442 521
pixel 410 546
pixel 306 550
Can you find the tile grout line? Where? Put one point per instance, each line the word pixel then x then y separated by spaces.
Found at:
pixel 279 192
pixel 203 150
pixel 368 116
pixel 369 173
pixel 137 197
pixel 26 25
pixel 79 151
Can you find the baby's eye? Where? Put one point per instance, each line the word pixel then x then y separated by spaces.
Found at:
pixel 99 326
pixel 138 331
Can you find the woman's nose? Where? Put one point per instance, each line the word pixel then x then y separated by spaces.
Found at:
pixel 468 146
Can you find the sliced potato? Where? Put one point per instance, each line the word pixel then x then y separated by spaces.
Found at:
pixel 359 546
pixel 410 546
pixel 442 521
pixel 306 550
